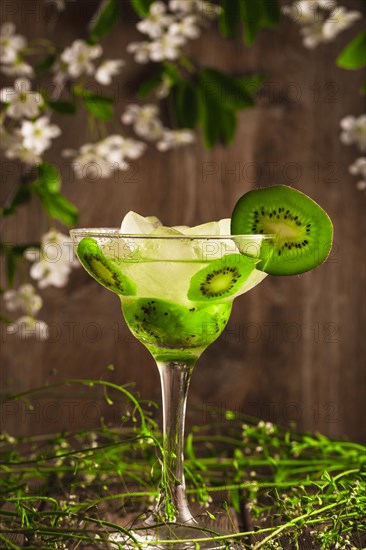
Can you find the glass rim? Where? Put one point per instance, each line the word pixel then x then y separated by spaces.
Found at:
pixel 116 233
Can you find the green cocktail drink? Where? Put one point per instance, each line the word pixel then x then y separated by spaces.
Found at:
pixel 177 286
pixel 176 293
pixel 164 314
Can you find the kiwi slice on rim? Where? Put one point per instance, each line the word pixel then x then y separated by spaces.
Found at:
pixel 102 269
pixel 221 278
pixel 303 231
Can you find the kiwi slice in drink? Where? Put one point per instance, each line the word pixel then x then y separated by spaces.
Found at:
pixel 166 324
pixel 221 278
pixel 102 269
pixel 302 230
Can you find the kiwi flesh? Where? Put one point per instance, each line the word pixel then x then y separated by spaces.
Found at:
pixel 102 269
pixel 221 278
pixel 165 324
pixel 302 230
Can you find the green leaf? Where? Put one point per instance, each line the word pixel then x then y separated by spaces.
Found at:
pixel 99 106
pixel 57 206
pixel 11 266
pixel 45 64
pixel 168 71
pixel 218 123
pixel 171 72
pixel 230 17
pixel 22 196
pixel 13 253
pixel 228 91
pixel 354 54
pixel 49 177
pixel 271 13
pixel 5 320
pixel 149 85
pixel 62 107
pixel 251 15
pixel 251 84
pixel 106 19
pixel 141 7
pixel 258 14
pixel 187 104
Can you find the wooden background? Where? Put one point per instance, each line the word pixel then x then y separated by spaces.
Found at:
pixel 294 349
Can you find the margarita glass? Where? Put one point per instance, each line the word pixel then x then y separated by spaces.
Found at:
pixel 177 294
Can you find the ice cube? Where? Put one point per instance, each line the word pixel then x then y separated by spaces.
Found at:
pixel 165 264
pixel 166 231
pixel 135 224
pixel 206 229
pixel 225 226
pixel 154 220
pixel 181 228
pixel 171 249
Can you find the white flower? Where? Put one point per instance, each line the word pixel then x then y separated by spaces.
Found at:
pixel 79 56
pixel 110 149
pixel 163 90
pixel 59 4
pixel 10 43
pixel 325 4
pixel 29 327
pixel 206 9
pixel 359 168
pixel 18 68
pixel 25 299
pixel 175 138
pixel 54 261
pixel 17 151
pixel 50 274
pixel 129 148
pixel 354 131
pixel 312 35
pixel 88 163
pixel 166 47
pixel 108 69
pixel 22 101
pixel 99 160
pixel 183 6
pixel 145 121
pixel 116 148
pixel 141 51
pixel 155 24
pixel 37 135
pixel 361 185
pixel 305 11
pixel 28 142
pixel 61 75
pixel 187 27
pixel 132 149
pixel 339 20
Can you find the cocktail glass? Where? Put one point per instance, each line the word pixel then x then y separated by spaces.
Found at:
pixel 175 300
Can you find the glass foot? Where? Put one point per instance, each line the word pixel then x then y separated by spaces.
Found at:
pixel 172 536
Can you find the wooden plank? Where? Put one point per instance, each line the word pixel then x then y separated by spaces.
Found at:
pixel 292 351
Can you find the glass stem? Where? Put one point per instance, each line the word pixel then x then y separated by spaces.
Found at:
pixel 172 504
